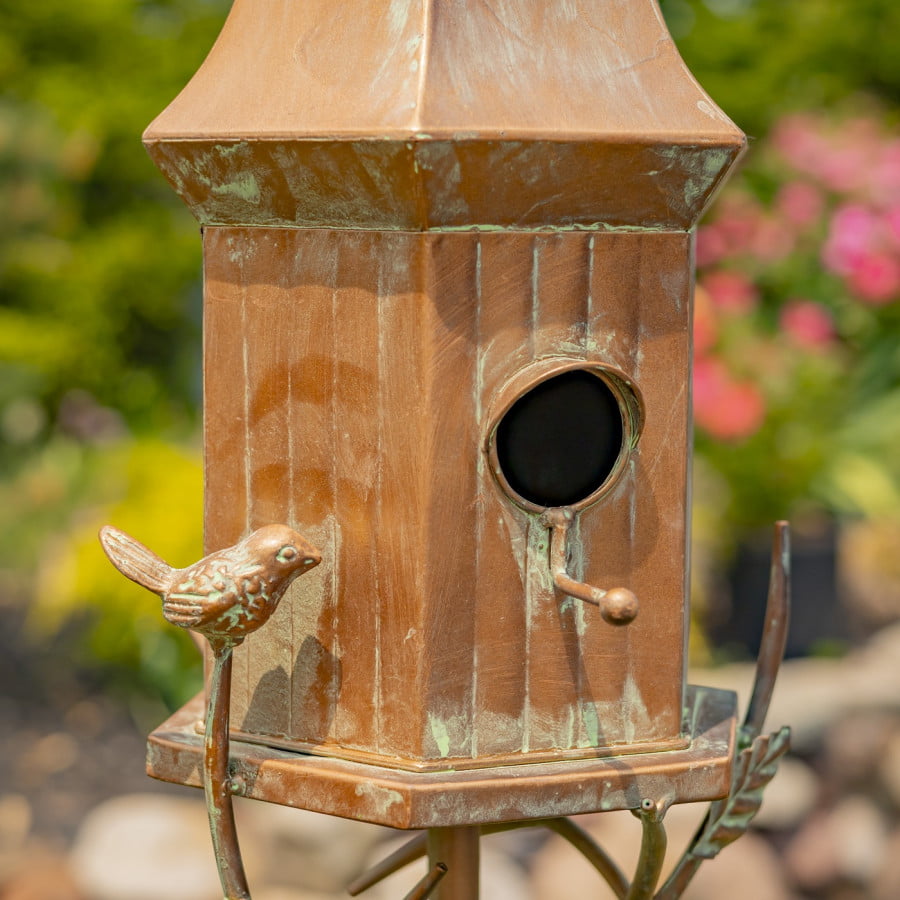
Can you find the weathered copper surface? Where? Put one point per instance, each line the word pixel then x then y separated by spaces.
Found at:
pixel 443 114
pixel 450 798
pixel 353 381
pixel 458 850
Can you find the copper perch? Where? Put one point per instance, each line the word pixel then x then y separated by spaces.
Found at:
pixel 225 596
pixel 618 606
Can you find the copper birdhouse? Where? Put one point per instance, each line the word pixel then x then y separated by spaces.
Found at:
pixel 448 278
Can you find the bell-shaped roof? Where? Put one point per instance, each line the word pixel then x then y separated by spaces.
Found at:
pixel 445 114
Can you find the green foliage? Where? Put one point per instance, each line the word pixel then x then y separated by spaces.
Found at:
pixel 762 58
pixel 153 491
pixel 797 326
pixel 99 262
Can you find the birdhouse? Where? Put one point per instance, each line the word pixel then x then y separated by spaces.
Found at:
pixel 447 287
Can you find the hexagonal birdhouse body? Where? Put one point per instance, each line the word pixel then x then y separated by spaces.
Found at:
pixel 448 277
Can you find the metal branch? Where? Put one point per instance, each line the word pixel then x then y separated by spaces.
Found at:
pixel 653 850
pixel 774 638
pixel 216 782
pixel 758 756
pixel 424 888
pixel 565 828
pixel 408 853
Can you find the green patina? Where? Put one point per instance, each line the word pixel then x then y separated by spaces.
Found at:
pixel 231 149
pixel 440 733
pixel 381 798
pixel 634 711
pixel 244 187
pixel 591 722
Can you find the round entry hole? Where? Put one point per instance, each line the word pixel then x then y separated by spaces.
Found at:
pixel 559 442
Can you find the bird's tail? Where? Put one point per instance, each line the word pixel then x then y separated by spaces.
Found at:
pixel 135 561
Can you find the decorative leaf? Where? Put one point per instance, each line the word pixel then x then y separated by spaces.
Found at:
pixel 753 769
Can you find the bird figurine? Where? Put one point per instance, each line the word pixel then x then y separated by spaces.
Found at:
pixel 226 595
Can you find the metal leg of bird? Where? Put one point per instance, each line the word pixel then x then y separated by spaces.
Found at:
pixel 216 779
pixel 458 850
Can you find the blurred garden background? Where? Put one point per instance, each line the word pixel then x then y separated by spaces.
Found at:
pixel 797 371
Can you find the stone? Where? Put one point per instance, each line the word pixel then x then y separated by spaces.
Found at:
pixel 812 694
pixel 887 766
pixel 307 850
pixel 789 798
pixel 42 875
pixel 746 870
pixel 280 892
pixel 886 883
pixel 854 745
pixel 811 857
pixel 146 846
pixel 847 843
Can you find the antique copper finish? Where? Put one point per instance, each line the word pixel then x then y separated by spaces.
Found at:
pixel 396 252
pixel 618 606
pixel 349 392
pixel 413 800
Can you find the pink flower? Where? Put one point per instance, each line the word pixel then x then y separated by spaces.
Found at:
pixel 800 203
pixel 892 225
pixel 844 169
pixel 798 140
pixel 807 323
pixel 726 408
pixel 712 245
pixel 730 291
pixel 705 324
pixel 772 241
pixel 875 278
pixel 853 232
pixel 884 177
pixel 737 224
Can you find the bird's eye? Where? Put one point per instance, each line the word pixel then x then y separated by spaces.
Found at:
pixel 286 554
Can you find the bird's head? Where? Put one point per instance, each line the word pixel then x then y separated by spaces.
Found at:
pixel 288 553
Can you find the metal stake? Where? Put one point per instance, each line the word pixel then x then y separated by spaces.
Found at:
pixel 458 850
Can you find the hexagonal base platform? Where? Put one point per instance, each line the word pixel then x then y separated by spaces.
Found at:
pixel 408 800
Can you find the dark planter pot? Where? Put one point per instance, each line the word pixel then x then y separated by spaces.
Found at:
pixel 819 622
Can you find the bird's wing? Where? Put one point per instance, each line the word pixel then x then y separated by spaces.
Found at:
pixel 135 561
pixel 191 609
